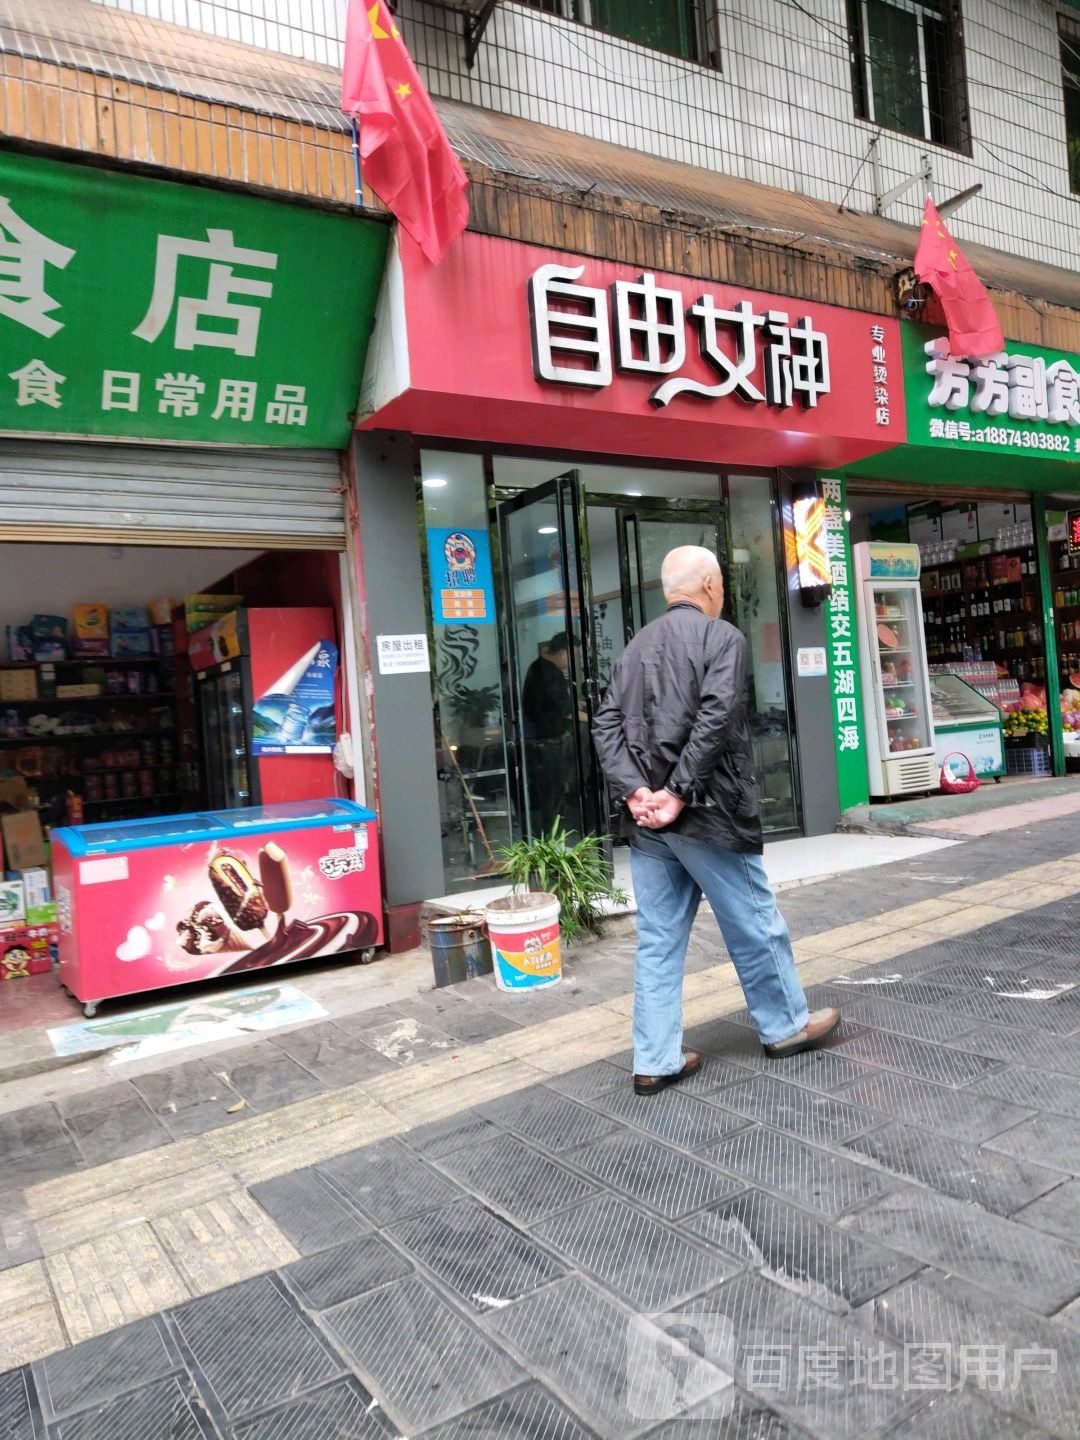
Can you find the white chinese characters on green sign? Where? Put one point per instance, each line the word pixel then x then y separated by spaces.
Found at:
pixel 138 307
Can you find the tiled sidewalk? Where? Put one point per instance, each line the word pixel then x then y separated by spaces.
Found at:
pixel 831 1231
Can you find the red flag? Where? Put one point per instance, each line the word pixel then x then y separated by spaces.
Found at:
pixel 974 328
pixel 406 156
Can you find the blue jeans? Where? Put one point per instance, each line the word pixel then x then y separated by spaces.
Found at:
pixel 670 873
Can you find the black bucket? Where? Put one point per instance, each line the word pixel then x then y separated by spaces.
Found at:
pixel 459 948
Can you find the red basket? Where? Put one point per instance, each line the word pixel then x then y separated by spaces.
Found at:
pixel 953 786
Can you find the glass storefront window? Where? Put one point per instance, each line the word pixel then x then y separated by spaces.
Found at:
pixel 753 597
pixel 470 737
pixel 504 771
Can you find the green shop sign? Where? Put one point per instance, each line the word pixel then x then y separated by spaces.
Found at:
pixel 1023 402
pixel 842 650
pixel 139 308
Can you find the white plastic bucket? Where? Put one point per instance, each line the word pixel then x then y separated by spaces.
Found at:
pixel 524 935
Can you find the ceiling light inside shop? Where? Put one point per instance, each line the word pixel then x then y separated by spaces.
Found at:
pixel 548 530
pixel 435 484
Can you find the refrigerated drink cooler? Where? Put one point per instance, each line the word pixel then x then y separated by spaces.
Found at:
pixel 898 722
pixel 145 904
pixel 266 693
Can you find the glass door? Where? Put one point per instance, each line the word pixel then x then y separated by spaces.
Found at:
pixel 235 740
pixel 211 727
pixel 648 535
pixel 550 656
pixel 903 684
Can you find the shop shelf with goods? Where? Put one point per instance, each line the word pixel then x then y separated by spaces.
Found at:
pixel 986 606
pixel 91 731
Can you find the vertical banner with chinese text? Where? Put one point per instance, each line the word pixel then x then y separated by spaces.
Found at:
pixel 842 639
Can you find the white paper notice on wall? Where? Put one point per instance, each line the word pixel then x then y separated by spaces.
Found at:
pixel 402 654
pixel 811 661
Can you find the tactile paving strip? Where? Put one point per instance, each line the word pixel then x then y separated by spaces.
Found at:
pixel 646 1261
pixel 913 1057
pixel 826 1264
pixel 528 1414
pixel 683 1119
pixel 788 1107
pixel 1002 1256
pixel 965 1114
pixel 348 1270
pixel 548 1119
pixel 421 1358
pixel 91 1372
pixel 388 1182
pixel 648 1171
pixel 520 1181
pixel 341 1409
pixel 482 1259
pixel 167 1407
pixel 945 1315
pixel 995 1181
pixel 801 1173
pixel 253 1346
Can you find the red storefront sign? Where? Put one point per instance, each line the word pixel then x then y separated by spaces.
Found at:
pixel 511 344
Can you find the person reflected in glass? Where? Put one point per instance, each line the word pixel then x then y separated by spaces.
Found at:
pixel 548 704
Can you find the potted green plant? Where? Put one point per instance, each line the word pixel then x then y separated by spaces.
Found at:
pixel 576 874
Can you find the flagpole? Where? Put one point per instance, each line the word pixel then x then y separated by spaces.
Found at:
pixel 356 163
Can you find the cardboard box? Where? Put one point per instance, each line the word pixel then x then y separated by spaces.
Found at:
pixel 40 909
pixel 27 950
pixel 24 843
pixel 12 902
pixel 14 794
pixel 18 685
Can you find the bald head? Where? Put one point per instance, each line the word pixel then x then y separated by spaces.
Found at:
pixel 692 573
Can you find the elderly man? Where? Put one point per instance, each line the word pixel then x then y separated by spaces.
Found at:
pixel 673 741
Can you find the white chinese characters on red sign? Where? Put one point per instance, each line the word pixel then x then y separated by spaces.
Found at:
pixel 582 335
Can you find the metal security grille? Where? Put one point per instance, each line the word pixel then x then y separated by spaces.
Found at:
pixel 142 495
pixel 679 27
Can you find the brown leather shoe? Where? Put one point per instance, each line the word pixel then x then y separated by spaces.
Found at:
pixel 819 1026
pixel 653 1084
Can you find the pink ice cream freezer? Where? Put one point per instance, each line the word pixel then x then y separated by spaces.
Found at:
pixel 144 904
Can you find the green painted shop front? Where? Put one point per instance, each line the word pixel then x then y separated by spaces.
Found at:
pixel 981 437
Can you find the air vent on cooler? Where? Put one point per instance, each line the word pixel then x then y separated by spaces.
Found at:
pixel 918 773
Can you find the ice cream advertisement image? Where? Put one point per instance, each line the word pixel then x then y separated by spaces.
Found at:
pixel 296 715
pixel 220 906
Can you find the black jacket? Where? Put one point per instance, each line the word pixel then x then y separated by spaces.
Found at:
pixel 674 717
pixel 545 699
